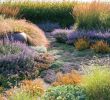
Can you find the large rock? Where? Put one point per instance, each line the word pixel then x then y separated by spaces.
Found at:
pixel 17 36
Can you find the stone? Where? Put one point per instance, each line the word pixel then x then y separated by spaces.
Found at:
pixel 21 37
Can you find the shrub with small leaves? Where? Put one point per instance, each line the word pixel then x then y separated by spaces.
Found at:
pixel 61 38
pixel 61 35
pixel 65 92
pixel 67 79
pixel 101 47
pixel 81 44
pixel 44 61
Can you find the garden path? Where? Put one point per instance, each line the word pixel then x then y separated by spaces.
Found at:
pixel 67 58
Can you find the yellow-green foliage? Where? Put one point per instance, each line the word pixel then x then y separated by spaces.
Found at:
pixel 92 15
pixel 68 79
pixel 101 47
pixel 81 44
pixel 97 84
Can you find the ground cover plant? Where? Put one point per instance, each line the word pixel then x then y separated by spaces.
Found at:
pixel 37 12
pixel 65 92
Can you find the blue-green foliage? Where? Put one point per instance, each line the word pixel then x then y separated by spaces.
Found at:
pixel 65 92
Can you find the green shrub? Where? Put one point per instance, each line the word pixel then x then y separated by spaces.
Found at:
pixel 65 92
pixel 38 11
pixel 97 84
pixel 81 44
pixel 61 37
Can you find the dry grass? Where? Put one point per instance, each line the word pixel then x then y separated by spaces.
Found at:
pixel 9 11
pixel 92 15
pixel 81 44
pixel 1 97
pixel 33 88
pixel 101 47
pixel 68 79
pixel 35 35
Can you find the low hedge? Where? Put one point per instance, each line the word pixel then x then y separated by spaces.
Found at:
pixel 39 12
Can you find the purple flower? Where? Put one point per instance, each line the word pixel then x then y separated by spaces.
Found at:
pixel 72 36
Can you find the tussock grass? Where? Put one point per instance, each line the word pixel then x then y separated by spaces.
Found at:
pixel 92 15
pixel 35 35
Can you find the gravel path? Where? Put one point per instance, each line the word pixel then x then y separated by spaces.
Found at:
pixel 67 58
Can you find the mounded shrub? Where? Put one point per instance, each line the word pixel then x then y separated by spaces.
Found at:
pixel 34 35
pixel 65 92
pixel 44 61
pixel 17 61
pixel 101 47
pixel 97 84
pixel 61 35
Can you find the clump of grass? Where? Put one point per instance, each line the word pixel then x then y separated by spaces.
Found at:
pixel 27 90
pixel 67 79
pixel 101 47
pixel 81 44
pixel 92 15
pixel 35 36
pixel 9 11
pixel 97 84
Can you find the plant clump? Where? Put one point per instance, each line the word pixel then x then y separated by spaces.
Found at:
pixel 97 84
pixel 65 92
pixel 101 47
pixel 81 44
pixel 71 78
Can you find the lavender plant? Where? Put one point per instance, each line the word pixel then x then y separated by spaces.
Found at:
pixel 16 62
pixel 92 36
